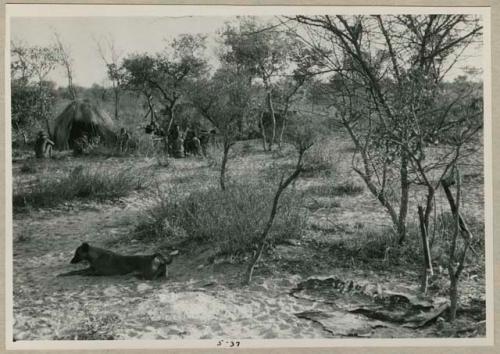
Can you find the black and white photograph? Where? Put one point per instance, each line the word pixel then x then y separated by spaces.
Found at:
pixel 222 176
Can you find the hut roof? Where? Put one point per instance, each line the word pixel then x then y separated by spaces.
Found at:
pixel 81 118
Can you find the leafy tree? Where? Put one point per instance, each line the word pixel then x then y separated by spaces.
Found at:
pixel 32 95
pixel 223 100
pixel 165 75
pixel 262 53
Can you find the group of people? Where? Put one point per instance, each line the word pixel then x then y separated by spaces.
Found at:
pixel 182 144
pixel 179 144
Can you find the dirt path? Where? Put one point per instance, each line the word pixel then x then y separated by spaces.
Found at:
pixel 123 307
pixel 193 303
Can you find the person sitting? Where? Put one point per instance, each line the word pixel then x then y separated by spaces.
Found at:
pixel 43 145
pixel 192 145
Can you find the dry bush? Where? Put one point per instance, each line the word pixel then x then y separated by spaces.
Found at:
pixel 148 146
pixel 445 225
pixel 81 183
pixel 28 168
pixel 231 220
pixel 376 247
pixel 320 160
pixel 213 154
pixel 332 190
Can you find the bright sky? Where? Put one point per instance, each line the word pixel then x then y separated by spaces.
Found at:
pixel 131 35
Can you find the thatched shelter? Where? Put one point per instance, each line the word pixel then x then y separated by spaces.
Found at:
pixel 81 118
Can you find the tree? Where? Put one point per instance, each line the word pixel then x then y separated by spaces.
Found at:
pixel 165 75
pixel 67 62
pixel 286 91
pixel 32 95
pixel 390 95
pixel 223 100
pixel 457 255
pixel 262 53
pixel 302 133
pixel 111 57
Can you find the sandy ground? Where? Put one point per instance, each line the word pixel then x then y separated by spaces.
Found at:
pixel 189 304
pixel 197 300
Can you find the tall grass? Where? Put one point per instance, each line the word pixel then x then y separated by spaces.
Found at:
pixel 336 190
pixel 320 160
pixel 81 183
pixel 231 220
pixel 377 247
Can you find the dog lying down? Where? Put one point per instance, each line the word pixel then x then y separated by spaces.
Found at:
pixel 104 262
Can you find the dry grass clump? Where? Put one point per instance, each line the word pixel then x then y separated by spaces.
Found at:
pixel 81 183
pixel 231 220
pixel 331 190
pixel 378 247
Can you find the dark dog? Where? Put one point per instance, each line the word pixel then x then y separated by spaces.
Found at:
pixel 104 262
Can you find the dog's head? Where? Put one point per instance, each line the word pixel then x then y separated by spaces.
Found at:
pixel 158 261
pixel 159 264
pixel 81 253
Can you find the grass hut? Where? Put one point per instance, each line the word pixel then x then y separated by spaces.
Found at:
pixel 81 118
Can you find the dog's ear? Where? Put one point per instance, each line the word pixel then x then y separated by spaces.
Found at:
pixel 85 247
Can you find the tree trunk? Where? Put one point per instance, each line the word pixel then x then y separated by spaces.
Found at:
pixel 273 119
pixel 223 166
pixel 171 117
pixel 170 110
pixel 25 137
pixel 265 233
pixel 427 269
pixel 380 197
pixel 117 102
pixel 42 109
pixel 69 74
pixel 429 206
pixel 283 124
pixel 453 207
pixel 367 177
pixel 262 130
pixel 47 125
pixel 453 297
pixel 71 87
pixel 454 270
pixel 403 206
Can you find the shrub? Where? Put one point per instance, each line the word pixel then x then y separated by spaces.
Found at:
pixel 377 248
pixel 81 183
pixel 373 243
pixel 445 226
pixel 148 145
pixel 28 167
pixel 96 148
pixel 348 188
pixel 230 220
pixel 319 160
pixel 85 145
pixel 330 190
pixel 213 154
